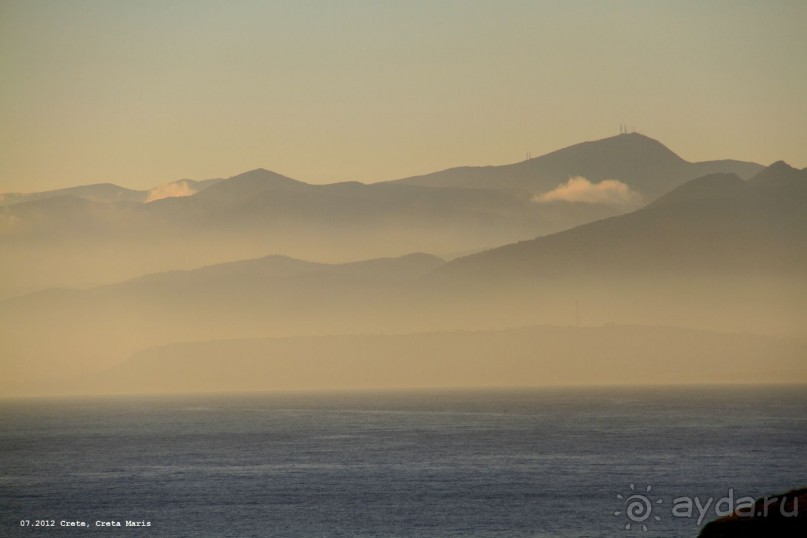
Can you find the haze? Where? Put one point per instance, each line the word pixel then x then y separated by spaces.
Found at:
pixel 176 215
pixel 697 276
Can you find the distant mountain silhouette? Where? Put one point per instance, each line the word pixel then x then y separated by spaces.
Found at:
pixel 274 266
pixel 269 295
pixel 717 252
pixel 100 192
pixel 249 184
pixel 123 233
pixel 528 356
pixel 717 224
pixel 262 198
pixel 110 193
pixel 641 162
pixel 261 211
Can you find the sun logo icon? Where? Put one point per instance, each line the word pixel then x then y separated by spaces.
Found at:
pixel 638 507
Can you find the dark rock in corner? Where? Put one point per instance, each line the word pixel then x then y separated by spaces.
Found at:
pixel 775 516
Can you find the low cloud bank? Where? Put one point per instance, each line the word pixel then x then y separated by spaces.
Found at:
pixel 580 189
pixel 171 190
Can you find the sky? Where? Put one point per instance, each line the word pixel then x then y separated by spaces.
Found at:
pixel 143 93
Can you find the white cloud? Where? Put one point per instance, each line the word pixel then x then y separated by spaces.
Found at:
pixel 171 190
pixel 580 189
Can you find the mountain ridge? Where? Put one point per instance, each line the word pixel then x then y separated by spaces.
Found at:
pixel 715 209
pixel 621 157
pixel 612 150
pixel 262 211
pixel 537 355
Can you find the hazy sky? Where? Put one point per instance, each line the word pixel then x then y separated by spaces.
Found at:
pixel 144 92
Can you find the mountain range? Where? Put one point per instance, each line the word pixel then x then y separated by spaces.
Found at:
pixel 718 224
pixel 540 355
pixel 111 193
pixel 644 164
pixel 124 233
pixel 722 252
pixel 718 252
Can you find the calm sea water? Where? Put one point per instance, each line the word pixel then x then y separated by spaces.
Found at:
pixel 520 463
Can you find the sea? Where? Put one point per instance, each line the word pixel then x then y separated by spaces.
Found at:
pixel 551 462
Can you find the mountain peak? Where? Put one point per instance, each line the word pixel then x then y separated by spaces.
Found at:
pixel 260 173
pixel 706 187
pixel 779 174
pixel 642 163
pixel 631 142
pixel 248 184
pixel 623 156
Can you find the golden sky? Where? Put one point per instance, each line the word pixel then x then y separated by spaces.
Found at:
pixel 142 93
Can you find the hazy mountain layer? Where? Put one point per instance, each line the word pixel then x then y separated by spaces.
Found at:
pixel 642 163
pixel 58 333
pixel 718 253
pixel 518 357
pixel 110 193
pixel 122 233
pixel 714 225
